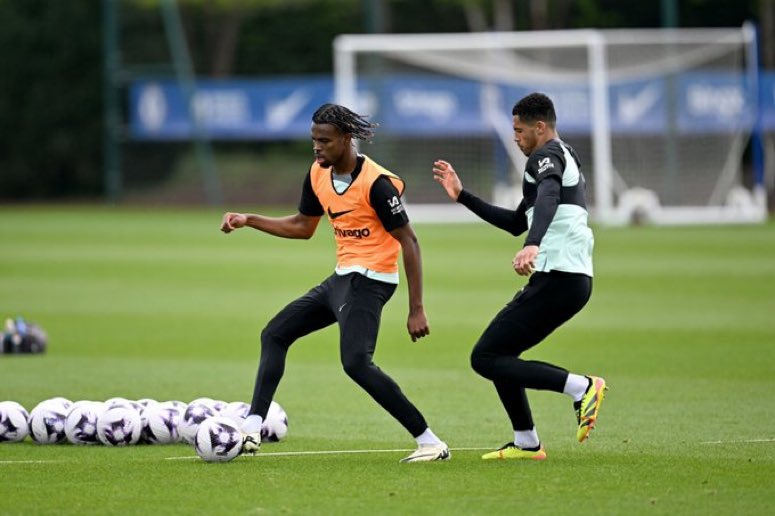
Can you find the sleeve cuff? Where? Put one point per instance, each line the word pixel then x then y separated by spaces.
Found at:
pixel 464 196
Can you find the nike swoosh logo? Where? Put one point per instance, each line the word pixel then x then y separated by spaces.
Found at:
pixel 416 457
pixel 336 214
pixel 280 113
pixel 634 106
pixel 438 456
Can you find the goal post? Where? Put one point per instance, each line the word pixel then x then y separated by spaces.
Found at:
pixel 659 117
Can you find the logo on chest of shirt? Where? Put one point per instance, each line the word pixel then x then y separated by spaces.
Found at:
pixel 352 233
pixel 337 214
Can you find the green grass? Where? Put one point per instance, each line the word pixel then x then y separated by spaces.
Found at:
pixel 160 304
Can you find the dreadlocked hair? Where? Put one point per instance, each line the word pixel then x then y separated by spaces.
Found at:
pixel 345 120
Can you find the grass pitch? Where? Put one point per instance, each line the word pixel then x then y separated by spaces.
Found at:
pixel 159 304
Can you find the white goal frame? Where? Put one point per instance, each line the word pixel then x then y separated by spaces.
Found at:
pixel 744 206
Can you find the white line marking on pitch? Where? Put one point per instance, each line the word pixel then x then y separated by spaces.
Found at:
pixel 267 454
pixel 325 452
pixel 31 461
pixel 743 441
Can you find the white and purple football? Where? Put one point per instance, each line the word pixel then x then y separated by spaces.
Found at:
pixel 14 422
pixel 81 422
pixel 162 424
pixel 275 425
pixel 218 439
pixel 194 414
pixel 119 426
pixel 47 421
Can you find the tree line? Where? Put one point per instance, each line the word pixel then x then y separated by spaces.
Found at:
pixel 51 63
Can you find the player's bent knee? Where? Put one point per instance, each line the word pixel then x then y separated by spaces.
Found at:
pixel 482 363
pixel 267 336
pixel 271 337
pixel 356 366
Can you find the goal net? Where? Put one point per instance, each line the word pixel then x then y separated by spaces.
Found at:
pixel 660 118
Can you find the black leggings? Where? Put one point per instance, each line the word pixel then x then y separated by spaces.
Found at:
pixel 354 302
pixel 548 300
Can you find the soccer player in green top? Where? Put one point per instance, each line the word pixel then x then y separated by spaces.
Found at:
pixel 557 256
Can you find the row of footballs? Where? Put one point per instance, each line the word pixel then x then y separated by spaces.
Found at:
pixel 121 422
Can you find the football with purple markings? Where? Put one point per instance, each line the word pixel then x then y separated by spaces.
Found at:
pixel 119 426
pixel 14 426
pixel 218 439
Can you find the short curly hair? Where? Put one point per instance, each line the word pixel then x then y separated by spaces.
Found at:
pixel 535 107
pixel 345 120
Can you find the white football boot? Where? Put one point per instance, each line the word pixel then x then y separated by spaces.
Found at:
pixel 251 435
pixel 428 453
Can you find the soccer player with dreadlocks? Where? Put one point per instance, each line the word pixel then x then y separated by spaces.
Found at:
pixel 363 203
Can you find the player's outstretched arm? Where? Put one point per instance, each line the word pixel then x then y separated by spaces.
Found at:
pixel 513 221
pixel 445 175
pixel 417 323
pixel 293 226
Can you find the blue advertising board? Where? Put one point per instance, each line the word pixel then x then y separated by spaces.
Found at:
pixel 695 103
pixel 233 109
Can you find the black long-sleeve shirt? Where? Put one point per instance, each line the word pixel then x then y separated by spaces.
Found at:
pixel 553 210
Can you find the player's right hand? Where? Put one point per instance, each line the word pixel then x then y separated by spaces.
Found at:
pixel 417 325
pixel 524 261
pixel 232 221
pixel 445 175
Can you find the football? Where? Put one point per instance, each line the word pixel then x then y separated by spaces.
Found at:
pixel 161 425
pixel 119 426
pixel 275 426
pixel 218 439
pixel 194 414
pixel 47 421
pixel 81 422
pixel 142 407
pixel 14 425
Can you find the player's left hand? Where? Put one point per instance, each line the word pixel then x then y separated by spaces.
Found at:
pixel 418 325
pixel 444 174
pixel 524 261
pixel 232 221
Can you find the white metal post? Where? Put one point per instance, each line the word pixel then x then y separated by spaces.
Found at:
pixel 345 91
pixel 601 127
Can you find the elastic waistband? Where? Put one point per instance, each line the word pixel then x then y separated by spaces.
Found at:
pixel 386 277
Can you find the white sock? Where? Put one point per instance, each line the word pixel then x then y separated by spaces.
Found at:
pixel 252 424
pixel 526 438
pixel 575 386
pixel 427 437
